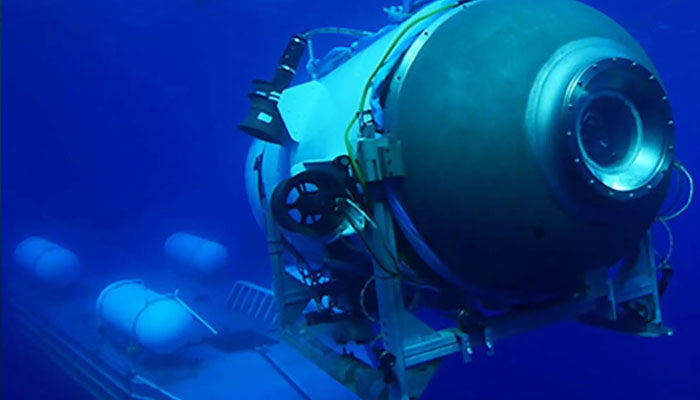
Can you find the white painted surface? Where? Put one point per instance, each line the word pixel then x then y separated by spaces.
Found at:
pixel 156 321
pixel 203 255
pixel 47 261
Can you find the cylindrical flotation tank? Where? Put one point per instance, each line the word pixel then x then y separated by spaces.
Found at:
pixel 156 321
pixel 47 261
pixel 201 254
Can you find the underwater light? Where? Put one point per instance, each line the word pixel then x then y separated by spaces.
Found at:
pixel 492 156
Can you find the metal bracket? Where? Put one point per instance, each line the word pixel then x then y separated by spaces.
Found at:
pixel 635 281
pixel 465 347
pixel 392 313
pixel 290 295
pixel 601 287
pixel 380 158
pixel 488 342
pixel 434 346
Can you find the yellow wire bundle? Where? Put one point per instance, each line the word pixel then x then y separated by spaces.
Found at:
pixel 394 43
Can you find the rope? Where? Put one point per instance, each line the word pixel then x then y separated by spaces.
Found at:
pixel 193 313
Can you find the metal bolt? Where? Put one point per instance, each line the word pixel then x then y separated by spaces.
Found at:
pixel 592 181
pixel 649 187
pixel 670 122
pixel 631 195
pixel 571 106
pixel 610 193
pixel 652 77
pixel 577 160
pixel 569 133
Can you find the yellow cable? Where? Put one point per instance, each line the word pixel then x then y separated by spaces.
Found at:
pixel 394 43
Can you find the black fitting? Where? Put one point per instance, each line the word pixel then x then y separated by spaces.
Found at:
pixel 386 365
pixel 264 120
pixel 473 323
pixel 287 66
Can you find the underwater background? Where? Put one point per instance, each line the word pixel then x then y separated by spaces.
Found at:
pixel 118 119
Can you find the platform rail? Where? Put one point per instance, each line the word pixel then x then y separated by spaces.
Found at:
pixel 253 301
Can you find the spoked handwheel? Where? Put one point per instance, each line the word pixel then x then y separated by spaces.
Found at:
pixel 306 203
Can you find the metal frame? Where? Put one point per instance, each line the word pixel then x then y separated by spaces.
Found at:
pixel 408 342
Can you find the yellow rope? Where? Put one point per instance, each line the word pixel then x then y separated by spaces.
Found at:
pixel 394 43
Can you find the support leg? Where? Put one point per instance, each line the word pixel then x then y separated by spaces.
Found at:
pixel 390 298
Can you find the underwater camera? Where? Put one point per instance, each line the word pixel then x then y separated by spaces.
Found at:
pixel 498 162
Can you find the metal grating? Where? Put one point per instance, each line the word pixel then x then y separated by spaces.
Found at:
pixel 256 302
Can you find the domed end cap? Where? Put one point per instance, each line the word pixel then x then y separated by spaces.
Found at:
pixel 200 254
pixel 58 267
pixel 601 127
pixel 28 249
pixel 48 261
pixel 164 327
pixel 210 257
pixel 619 128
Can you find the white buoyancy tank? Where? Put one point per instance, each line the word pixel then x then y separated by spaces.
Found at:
pixel 47 261
pixel 201 254
pixel 158 322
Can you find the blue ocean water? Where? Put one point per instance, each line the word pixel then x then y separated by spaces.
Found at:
pixel 118 118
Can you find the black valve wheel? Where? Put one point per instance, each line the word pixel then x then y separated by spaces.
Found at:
pixel 307 203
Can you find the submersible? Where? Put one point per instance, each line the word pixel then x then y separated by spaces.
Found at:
pixel 501 161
